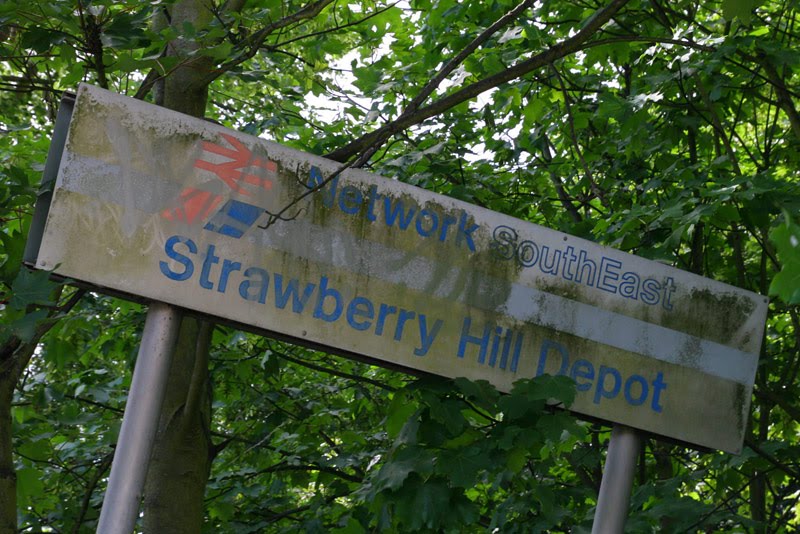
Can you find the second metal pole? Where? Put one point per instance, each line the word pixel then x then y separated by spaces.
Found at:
pixel 615 489
pixel 140 422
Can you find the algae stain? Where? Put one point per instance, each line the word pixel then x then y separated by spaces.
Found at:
pixel 741 404
pixel 714 316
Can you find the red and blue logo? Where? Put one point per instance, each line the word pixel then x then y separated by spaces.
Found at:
pixel 235 217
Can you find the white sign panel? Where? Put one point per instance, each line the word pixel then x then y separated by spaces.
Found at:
pixel 156 204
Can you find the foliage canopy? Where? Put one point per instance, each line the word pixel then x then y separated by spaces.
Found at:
pixel 667 129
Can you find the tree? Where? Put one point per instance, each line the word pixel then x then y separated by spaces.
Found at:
pixel 666 129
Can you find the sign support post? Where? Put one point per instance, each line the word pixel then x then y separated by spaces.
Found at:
pixel 140 422
pixel 615 489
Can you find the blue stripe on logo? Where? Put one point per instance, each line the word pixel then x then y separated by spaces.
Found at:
pixel 234 218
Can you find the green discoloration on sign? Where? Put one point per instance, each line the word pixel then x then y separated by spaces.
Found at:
pixel 183 211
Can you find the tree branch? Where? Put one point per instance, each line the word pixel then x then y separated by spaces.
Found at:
pixel 281 467
pixel 445 71
pixel 94 46
pixel 765 394
pixel 334 372
pixel 255 41
pixel 275 517
pixel 441 105
pixel 771 459
pixel 784 97
pixel 335 28
pixel 105 463
pixel 558 183
pixel 573 135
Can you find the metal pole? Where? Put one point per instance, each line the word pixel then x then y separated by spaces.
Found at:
pixel 615 489
pixel 140 422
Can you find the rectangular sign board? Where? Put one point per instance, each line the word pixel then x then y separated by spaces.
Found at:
pixel 156 204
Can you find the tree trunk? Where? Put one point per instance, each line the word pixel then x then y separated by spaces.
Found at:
pixel 8 477
pixel 181 459
pixel 14 357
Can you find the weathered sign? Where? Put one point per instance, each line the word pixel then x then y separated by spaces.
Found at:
pixel 156 204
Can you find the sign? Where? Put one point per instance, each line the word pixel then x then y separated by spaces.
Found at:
pixel 158 205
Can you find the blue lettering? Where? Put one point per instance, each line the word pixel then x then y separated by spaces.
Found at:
pixel 581 268
pixel 669 288
pixel 402 317
pixel 609 381
pixel 504 242
pixel 546 346
pixel 609 270
pixel 350 200
pixel 282 297
pixel 205 272
pixel 360 307
pixel 506 348
pixel 384 311
pixel 574 265
pixel 426 338
pixel 466 337
pixel 527 253
pixel 554 262
pixel 330 305
pixel 515 358
pixel 633 379
pixel 658 387
pixel 582 369
pixel 447 220
pixel 255 289
pixel 601 390
pixel 434 224
pixel 629 286
pixel 394 211
pixel 651 291
pixel 315 180
pixel 464 232
pixel 188 266
pixel 568 273
pixel 323 293
pixel 228 267
pixel 373 196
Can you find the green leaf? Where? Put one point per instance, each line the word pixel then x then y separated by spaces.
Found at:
pixel 31 287
pixel 741 9
pixel 219 52
pixel 461 467
pixel 30 483
pixel 448 413
pixel 408 433
pixel 25 327
pixel 516 459
pixel 42 39
pixel 38 450
pixel 480 392
pixel 550 388
pixel 431 503
pixel 13 248
pixel 222 510
pixel 408 460
pixel 352 527
pixel 517 406
pixel 786 284
pixel 398 413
